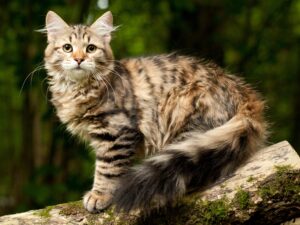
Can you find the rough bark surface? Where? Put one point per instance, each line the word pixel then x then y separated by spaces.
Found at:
pixel 266 190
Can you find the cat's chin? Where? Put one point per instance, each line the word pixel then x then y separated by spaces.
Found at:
pixel 77 75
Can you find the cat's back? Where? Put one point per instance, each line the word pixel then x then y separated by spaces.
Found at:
pixel 156 79
pixel 158 74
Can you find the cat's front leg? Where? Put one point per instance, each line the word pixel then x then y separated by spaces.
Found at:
pixel 111 164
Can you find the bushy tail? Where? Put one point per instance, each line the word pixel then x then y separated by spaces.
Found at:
pixel 191 164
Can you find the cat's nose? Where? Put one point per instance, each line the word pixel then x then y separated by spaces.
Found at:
pixel 79 60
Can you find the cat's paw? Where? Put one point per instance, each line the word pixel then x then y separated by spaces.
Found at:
pixel 95 201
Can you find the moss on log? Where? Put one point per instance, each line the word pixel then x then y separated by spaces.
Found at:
pixel 266 190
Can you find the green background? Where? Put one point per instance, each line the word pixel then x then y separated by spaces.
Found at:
pixel 41 164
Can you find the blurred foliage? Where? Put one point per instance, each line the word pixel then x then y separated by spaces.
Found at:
pixel 42 164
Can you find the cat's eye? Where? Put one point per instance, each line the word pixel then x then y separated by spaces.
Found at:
pixel 67 48
pixel 91 48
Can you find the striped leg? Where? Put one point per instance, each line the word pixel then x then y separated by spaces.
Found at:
pixel 111 164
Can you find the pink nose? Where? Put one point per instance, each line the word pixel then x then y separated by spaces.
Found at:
pixel 79 60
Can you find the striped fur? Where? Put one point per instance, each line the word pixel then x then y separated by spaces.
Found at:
pixel 197 122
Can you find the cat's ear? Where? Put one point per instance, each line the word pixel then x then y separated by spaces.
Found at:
pixel 104 26
pixel 55 25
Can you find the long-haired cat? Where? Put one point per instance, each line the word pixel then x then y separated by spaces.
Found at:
pixel 196 122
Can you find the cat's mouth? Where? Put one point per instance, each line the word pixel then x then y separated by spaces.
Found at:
pixel 78 68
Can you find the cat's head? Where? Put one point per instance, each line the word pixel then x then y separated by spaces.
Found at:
pixel 79 51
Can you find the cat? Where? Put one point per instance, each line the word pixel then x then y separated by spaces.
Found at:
pixel 195 122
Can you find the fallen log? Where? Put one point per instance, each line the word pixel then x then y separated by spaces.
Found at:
pixel 266 190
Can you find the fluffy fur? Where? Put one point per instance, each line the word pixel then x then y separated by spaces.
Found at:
pixel 198 123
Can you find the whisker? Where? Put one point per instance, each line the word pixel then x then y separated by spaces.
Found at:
pixel 95 75
pixel 45 94
pixel 115 73
pixel 114 93
pixel 38 68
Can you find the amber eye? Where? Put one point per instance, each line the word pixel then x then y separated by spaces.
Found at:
pixel 91 48
pixel 67 48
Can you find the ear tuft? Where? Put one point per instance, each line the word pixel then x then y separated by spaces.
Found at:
pixel 104 25
pixel 55 25
pixel 107 18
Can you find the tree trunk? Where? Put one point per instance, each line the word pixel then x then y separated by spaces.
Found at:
pixel 266 190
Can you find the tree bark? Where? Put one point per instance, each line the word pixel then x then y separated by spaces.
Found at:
pixel 266 190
